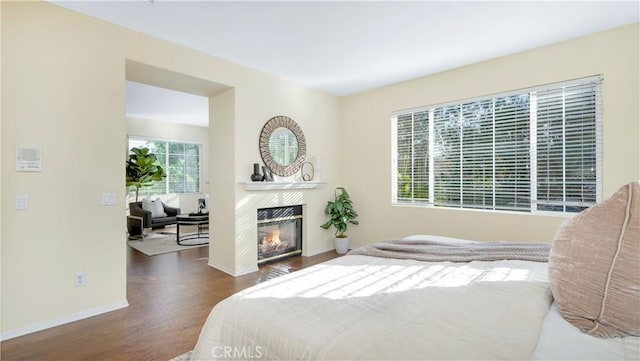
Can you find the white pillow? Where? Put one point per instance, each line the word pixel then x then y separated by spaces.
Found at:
pixel 146 204
pixel 156 208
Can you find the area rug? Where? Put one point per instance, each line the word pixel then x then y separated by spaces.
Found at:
pixel 156 243
pixel 184 357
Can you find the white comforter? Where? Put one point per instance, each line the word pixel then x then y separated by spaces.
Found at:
pixel 366 308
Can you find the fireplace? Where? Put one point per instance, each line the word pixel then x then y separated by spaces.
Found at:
pixel 279 232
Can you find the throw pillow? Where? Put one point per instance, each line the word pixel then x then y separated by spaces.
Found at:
pixel 146 204
pixel 157 209
pixel 594 266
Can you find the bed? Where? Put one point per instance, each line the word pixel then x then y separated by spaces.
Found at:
pixel 359 307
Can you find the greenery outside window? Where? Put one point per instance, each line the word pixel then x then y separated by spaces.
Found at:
pixel 533 150
pixel 181 161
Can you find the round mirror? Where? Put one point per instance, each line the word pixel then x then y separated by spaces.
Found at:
pixel 282 146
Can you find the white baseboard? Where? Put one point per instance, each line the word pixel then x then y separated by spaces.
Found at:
pixel 254 269
pixel 319 251
pixel 61 321
pixel 231 272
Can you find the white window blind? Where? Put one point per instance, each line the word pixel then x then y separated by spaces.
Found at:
pixel 413 161
pixel 567 147
pixel 533 150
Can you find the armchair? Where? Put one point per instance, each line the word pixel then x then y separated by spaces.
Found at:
pixel 135 209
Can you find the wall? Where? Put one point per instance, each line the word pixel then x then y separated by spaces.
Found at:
pixel 64 90
pixel 366 165
pixel 176 132
pixel 319 118
pixel 222 133
pixel 63 93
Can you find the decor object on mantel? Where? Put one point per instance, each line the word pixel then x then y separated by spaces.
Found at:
pixel 341 214
pixel 142 170
pixel 268 174
pixel 307 171
pixel 256 176
pixel 282 145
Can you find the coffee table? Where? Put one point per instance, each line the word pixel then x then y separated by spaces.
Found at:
pixel 199 220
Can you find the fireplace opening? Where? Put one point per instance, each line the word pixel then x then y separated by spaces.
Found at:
pixel 279 232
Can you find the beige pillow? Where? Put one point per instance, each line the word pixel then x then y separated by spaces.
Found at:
pixel 594 266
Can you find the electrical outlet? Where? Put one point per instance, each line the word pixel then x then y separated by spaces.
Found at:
pixel 80 279
pixel 21 202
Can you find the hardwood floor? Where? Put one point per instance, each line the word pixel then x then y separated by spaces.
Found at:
pixel 170 297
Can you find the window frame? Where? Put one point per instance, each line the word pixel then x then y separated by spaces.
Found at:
pixel 532 93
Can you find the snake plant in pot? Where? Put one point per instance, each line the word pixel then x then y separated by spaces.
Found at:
pixel 341 214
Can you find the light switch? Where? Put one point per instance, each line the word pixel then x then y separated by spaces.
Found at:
pixel 108 199
pixel 21 202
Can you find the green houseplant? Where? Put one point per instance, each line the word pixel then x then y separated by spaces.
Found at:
pixel 142 170
pixel 341 213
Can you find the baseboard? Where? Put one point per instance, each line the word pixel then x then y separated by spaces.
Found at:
pixel 231 272
pixel 318 252
pixel 63 320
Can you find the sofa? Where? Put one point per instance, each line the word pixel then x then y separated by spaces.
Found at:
pixel 165 215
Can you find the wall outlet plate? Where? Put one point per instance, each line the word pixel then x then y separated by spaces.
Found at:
pixel 21 202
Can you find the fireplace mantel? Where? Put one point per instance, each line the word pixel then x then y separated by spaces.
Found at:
pixel 267 186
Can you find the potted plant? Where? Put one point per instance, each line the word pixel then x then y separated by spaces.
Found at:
pixel 142 170
pixel 341 214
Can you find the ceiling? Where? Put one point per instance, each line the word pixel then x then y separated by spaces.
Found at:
pixel 348 47
pixel 154 103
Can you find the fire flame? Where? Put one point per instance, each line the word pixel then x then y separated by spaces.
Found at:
pixel 273 239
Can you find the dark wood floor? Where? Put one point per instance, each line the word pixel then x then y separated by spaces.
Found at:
pixel 170 297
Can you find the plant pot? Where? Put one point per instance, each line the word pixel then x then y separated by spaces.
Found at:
pixel 342 245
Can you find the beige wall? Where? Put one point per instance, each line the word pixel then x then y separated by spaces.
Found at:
pixel 222 132
pixel 176 132
pixel 65 92
pixel 319 118
pixel 366 165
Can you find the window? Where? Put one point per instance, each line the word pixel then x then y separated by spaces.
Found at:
pixel 181 162
pixel 532 150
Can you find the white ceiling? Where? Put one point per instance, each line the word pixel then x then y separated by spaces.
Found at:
pixel 348 47
pixel 150 102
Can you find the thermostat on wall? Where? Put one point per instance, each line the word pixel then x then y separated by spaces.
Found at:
pixel 28 159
